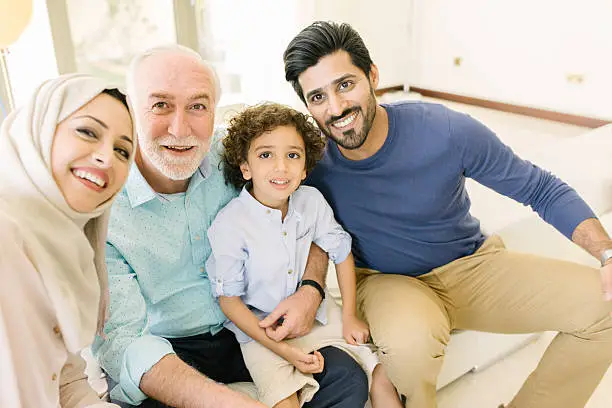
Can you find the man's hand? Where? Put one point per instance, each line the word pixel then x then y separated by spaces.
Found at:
pixel 298 313
pixel 228 398
pixel 606 281
pixel 177 384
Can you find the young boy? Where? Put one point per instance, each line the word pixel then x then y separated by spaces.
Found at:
pixel 260 243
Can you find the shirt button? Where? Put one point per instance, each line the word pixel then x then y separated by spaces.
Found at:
pixel 290 271
pixel 202 269
pixel 284 233
pixel 197 237
pixel 57 331
pixel 54 377
pixel 268 211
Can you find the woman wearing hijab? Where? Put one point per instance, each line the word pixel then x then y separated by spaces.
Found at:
pixel 63 158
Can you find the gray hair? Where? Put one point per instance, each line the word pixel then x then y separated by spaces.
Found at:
pixel 168 49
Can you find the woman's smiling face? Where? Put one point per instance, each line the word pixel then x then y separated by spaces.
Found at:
pixel 91 151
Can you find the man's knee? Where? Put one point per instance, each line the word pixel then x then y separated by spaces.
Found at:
pixel 415 359
pixel 344 377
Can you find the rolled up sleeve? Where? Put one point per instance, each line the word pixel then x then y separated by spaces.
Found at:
pixel 329 235
pixel 129 349
pixel 226 264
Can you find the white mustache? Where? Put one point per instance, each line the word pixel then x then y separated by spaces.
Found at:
pixel 179 142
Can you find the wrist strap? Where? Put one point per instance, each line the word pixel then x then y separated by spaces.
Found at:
pixel 314 284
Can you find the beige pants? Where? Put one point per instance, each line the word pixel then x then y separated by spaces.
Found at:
pixel 493 290
pixel 277 379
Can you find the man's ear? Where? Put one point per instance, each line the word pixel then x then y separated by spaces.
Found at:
pixel 374 76
pixel 246 171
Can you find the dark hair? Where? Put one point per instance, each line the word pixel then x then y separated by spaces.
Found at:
pixel 319 39
pixel 118 95
pixel 256 120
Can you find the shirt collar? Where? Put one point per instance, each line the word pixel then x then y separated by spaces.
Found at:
pixel 139 191
pixel 261 210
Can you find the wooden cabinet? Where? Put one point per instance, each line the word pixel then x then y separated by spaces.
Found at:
pixel 549 54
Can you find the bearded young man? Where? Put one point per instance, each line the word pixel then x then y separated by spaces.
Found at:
pixel 395 178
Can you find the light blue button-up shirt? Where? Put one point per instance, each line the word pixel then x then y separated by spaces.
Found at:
pixel 156 252
pixel 261 258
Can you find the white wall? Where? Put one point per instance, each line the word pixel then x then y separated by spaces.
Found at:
pixel 385 28
pixel 517 51
pixel 31 59
pixel 248 39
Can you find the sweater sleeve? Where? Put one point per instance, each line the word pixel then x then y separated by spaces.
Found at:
pixel 490 162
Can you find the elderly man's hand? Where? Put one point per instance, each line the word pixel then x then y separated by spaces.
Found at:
pixel 298 313
pixel 224 397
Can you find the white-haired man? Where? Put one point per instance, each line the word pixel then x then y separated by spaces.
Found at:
pixel 165 341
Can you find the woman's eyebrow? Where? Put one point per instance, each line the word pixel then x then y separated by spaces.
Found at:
pixel 96 119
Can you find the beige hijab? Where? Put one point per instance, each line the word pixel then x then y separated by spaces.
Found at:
pixel 64 246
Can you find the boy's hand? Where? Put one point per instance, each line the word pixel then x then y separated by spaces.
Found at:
pixel 304 362
pixel 354 330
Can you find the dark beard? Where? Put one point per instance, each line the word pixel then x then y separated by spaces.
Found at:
pixel 351 139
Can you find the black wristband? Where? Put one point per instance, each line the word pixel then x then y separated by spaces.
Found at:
pixel 314 284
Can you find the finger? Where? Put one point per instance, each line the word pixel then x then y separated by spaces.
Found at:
pixel 363 337
pixel 321 360
pixel 273 317
pixel 277 333
pixel 309 359
pixel 349 338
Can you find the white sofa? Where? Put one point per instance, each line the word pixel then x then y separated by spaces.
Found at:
pixel 585 162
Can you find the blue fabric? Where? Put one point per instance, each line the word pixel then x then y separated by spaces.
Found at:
pixel 156 253
pixel 406 206
pixel 261 258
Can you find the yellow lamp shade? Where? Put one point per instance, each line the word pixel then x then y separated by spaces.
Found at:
pixel 14 17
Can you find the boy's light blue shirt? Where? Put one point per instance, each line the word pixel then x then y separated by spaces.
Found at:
pixel 261 258
pixel 156 252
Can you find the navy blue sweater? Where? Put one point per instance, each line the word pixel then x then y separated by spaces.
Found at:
pixel 407 208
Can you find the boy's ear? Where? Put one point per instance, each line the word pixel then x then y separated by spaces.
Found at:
pixel 246 171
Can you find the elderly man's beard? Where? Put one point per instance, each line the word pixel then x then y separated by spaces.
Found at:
pixel 172 166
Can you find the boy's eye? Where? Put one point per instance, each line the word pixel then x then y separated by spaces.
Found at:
pixel 293 155
pixel 265 155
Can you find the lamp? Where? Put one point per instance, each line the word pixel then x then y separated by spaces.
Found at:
pixel 14 17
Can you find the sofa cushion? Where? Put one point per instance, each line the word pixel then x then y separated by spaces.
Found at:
pixel 582 161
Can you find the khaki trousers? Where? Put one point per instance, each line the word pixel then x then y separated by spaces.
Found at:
pixel 493 290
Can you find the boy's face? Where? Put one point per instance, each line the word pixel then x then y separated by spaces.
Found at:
pixel 276 163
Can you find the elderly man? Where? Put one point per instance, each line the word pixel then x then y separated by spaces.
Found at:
pixel 395 177
pixel 165 340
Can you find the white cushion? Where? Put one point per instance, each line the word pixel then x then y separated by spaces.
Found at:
pixel 584 162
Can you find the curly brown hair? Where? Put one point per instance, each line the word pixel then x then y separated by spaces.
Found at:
pixel 256 120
